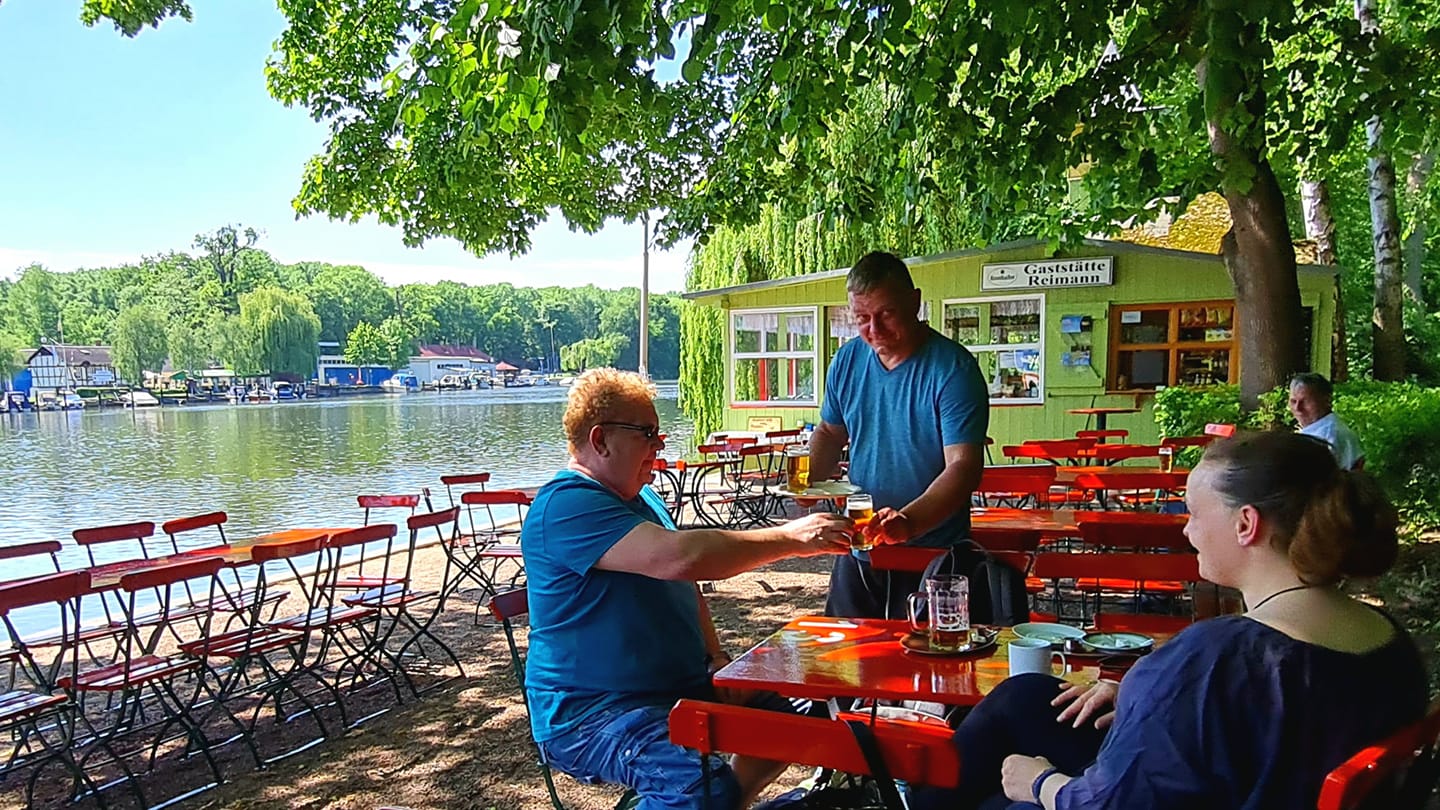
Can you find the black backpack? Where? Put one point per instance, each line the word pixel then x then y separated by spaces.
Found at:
pixel 997 591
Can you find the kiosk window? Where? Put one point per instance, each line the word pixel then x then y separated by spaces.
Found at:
pixel 1006 337
pixel 1171 344
pixel 773 356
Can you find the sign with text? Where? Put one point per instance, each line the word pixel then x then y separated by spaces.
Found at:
pixel 1096 271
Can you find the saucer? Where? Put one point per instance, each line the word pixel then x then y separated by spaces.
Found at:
pixel 919 643
pixel 1118 642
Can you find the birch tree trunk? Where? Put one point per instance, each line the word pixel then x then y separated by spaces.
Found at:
pixel 1389 326
pixel 1415 179
pixel 1320 227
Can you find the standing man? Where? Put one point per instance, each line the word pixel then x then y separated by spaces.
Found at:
pixel 1310 396
pixel 915 410
pixel 618 629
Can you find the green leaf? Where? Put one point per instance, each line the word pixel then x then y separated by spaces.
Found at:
pixel 776 17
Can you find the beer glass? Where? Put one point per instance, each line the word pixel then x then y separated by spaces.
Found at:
pixel 946 600
pixel 797 469
pixel 860 508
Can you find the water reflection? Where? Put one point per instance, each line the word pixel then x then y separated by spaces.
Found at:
pixel 271 466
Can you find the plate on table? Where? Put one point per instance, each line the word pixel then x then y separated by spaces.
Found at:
pixel 982 639
pixel 826 489
pixel 1118 642
pixel 1048 631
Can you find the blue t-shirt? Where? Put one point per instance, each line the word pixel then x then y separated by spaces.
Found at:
pixel 900 420
pixel 1232 713
pixel 601 640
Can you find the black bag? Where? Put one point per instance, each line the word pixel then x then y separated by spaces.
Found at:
pixel 875 792
pixel 997 591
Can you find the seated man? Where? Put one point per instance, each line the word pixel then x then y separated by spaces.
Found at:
pixel 618 629
pixel 1310 396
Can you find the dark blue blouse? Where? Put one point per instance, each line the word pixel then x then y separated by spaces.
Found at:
pixel 1234 714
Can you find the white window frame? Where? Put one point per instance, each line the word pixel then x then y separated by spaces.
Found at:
pixel 1001 347
pixel 813 356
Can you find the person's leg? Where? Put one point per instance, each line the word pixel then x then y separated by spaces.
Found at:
pixel 755 774
pixel 633 749
pixel 1016 718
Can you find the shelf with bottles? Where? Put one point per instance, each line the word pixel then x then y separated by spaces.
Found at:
pixel 1203 367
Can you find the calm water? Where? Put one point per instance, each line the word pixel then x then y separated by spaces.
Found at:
pixel 271 466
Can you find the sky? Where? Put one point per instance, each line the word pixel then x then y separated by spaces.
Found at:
pixel 112 149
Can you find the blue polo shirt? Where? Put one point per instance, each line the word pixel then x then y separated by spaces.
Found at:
pixel 900 420
pixel 601 640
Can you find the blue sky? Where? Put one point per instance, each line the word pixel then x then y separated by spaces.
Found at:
pixel 113 148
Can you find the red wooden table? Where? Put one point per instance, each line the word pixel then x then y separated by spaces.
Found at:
pixel 819 657
pixel 107 576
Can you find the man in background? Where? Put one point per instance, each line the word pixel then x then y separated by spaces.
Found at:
pixel 1310 396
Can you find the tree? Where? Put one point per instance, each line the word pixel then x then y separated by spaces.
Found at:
pixel 11 360
pixel 34 304
pixel 232 344
pixel 138 343
pixel 365 346
pixel 188 351
pixel 344 296
pixel 283 328
pixel 222 251
pixel 593 352
pixel 399 342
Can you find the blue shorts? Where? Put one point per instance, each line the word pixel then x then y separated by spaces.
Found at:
pixel 632 748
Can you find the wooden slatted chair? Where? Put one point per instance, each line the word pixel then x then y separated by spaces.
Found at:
pixel 492 546
pixel 479 479
pixel 916 753
pixel 234 595
pixel 508 608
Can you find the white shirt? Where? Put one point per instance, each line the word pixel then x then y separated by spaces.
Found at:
pixel 1343 441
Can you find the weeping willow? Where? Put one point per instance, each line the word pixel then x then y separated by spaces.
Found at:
pixel 284 327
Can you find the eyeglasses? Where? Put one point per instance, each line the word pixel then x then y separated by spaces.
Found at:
pixel 648 431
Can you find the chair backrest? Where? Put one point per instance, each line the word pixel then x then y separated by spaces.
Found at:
pixel 136 532
pixel 178 526
pixel 915 753
pixel 61 593
pixel 1135 533
pixel 1180 567
pixel 1025 480
pixel 1132 481
pixel 362 535
pixel 510 605
pixel 504 513
pixel 48 548
pixel 463 480
pixel 1397 772
pixel 406 501
pixel 436 520
pixel 43 590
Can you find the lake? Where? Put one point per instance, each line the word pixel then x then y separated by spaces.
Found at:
pixel 272 466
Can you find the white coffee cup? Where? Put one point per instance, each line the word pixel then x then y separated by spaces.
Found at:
pixel 1031 655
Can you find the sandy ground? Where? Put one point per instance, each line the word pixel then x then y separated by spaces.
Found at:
pixel 464 745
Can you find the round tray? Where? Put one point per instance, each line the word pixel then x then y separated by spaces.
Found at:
pixel 919 644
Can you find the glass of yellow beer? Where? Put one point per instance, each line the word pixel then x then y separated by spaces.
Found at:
pixel 860 508
pixel 797 469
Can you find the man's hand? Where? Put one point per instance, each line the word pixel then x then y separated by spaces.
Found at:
pixel 890 526
pixel 1097 701
pixel 1017 776
pixel 820 533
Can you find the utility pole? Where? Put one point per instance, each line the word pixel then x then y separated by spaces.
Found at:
pixel 645 297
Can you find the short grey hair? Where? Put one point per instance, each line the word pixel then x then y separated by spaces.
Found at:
pixel 878 269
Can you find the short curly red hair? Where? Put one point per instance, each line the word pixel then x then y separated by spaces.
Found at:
pixel 597 396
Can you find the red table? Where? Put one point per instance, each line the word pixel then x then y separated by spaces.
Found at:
pixel 818 657
pixel 107 575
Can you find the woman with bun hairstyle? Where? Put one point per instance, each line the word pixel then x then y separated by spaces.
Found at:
pixel 1248 711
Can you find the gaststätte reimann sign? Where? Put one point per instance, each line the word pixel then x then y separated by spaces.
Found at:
pixel 1095 271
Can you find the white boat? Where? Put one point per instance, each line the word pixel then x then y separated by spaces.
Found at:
pixel 71 401
pixel 400 384
pixel 283 390
pixel 138 399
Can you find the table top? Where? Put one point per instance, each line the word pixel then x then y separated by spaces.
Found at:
pixel 819 657
pixel 107 575
pixel 1096 411
pixel 1049 522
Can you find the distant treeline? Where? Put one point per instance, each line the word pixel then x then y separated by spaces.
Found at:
pixel 231 303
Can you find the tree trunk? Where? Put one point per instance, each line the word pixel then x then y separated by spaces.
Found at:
pixel 1415 179
pixel 1320 227
pixel 1389 325
pixel 1257 250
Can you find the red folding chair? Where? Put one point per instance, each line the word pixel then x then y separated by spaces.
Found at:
pixel 508 608
pixel 479 479
pixel 401 603
pixel 40 722
pixel 1397 773
pixel 42 552
pixel 362 565
pixel 234 596
pixel 490 548
pixel 156 697
pixel 126 539
pixel 267 663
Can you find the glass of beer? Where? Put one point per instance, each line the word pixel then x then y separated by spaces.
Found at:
pixel 1167 459
pixel 797 469
pixel 860 508
pixel 946 603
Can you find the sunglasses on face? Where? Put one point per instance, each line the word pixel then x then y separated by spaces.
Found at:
pixel 648 431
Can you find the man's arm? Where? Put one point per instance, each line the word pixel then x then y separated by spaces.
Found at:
pixel 947 494
pixel 652 550
pixel 827 442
